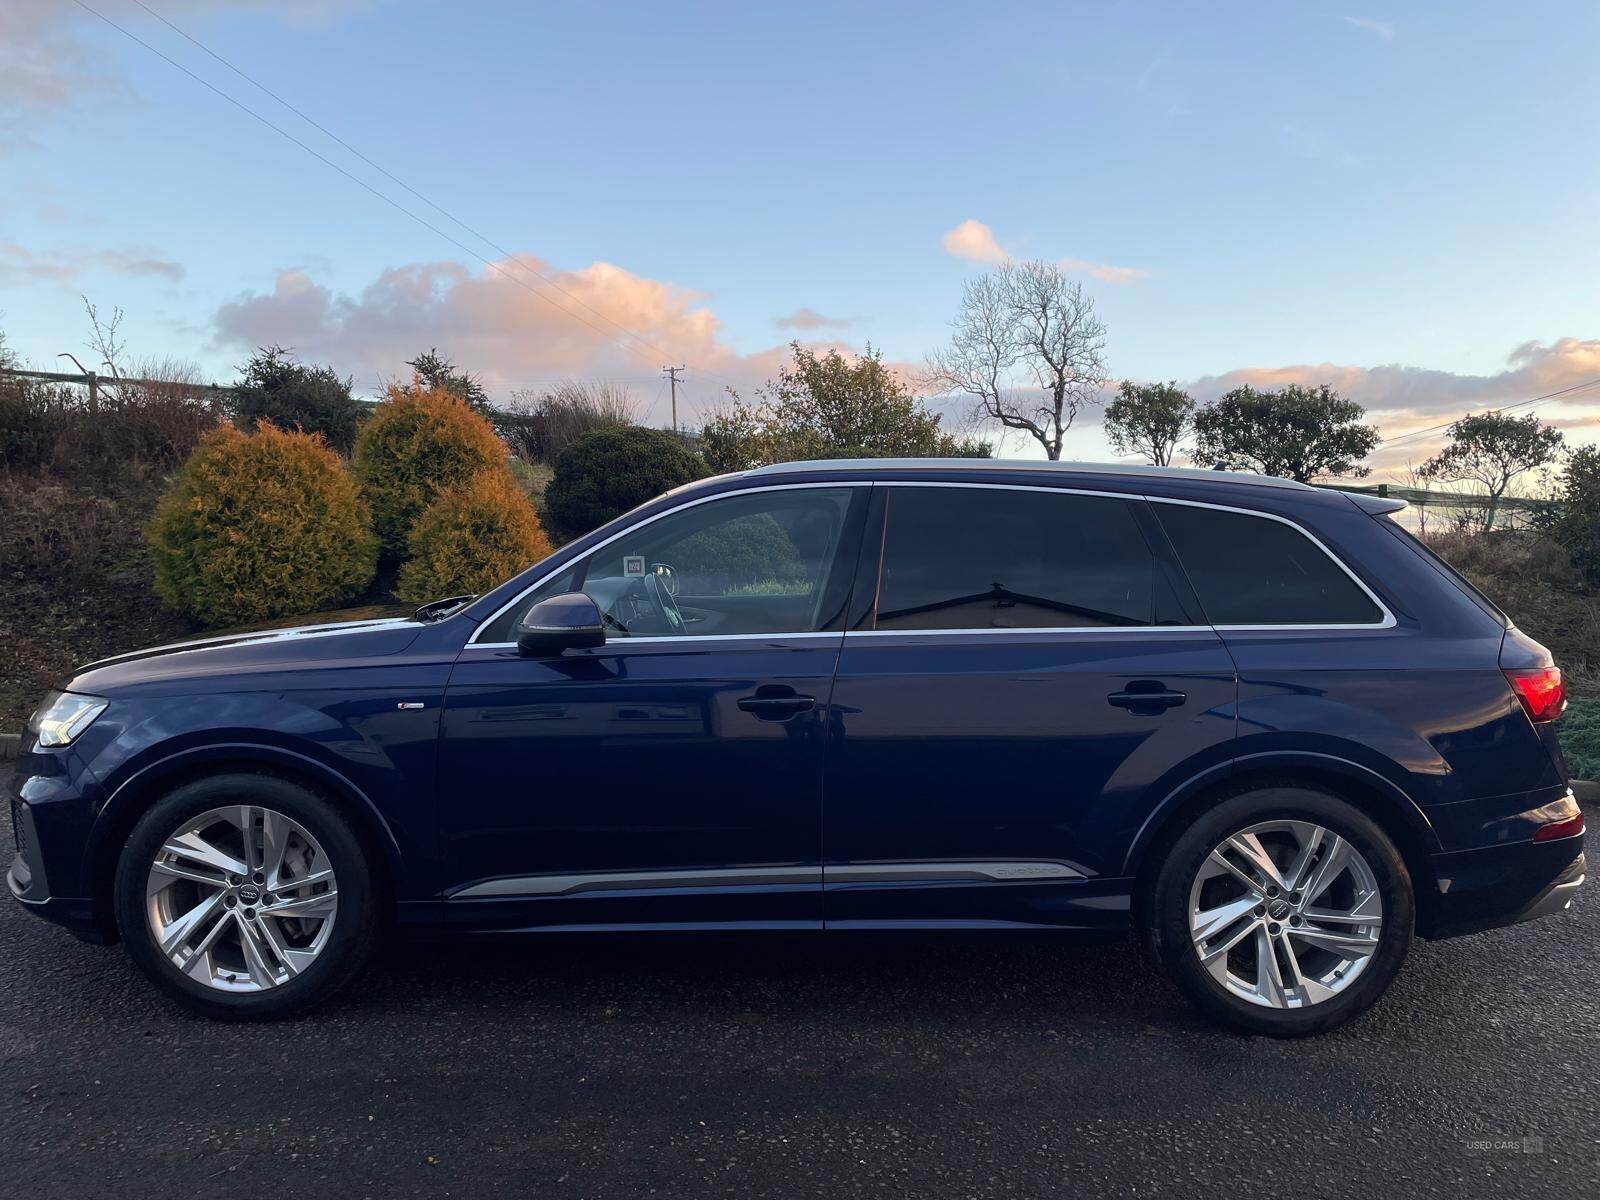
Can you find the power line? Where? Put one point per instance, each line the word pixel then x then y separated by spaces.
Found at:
pixel 1416 433
pixel 642 341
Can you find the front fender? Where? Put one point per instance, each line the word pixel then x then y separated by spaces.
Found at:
pixel 122 807
pixel 374 757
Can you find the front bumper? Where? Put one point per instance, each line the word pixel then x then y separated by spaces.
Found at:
pixel 30 885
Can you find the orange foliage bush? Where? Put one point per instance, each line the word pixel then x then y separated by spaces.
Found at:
pixel 260 525
pixel 472 538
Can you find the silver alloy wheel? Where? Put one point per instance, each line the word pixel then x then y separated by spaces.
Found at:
pixel 1285 914
pixel 241 898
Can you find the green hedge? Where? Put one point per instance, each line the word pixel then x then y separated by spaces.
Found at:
pixel 604 474
pixel 1579 733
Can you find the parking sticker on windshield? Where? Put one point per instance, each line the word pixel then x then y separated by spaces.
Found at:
pixel 633 566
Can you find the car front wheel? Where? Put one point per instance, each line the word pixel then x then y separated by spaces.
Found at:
pixel 1282 911
pixel 245 897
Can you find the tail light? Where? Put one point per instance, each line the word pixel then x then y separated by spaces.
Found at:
pixel 1571 827
pixel 1541 689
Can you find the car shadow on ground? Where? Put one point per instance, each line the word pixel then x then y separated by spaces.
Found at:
pixel 1104 977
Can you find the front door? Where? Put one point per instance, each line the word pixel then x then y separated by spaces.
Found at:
pixel 673 775
pixel 1027 675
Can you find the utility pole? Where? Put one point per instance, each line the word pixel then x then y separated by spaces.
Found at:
pixel 672 374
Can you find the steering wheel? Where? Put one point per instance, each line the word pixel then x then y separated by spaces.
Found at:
pixel 665 601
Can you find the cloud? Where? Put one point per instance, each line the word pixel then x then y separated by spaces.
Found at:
pixel 491 324
pixel 810 318
pixel 19 264
pixel 1103 271
pixel 975 241
pixel 48 65
pixel 1401 399
pixel 1383 30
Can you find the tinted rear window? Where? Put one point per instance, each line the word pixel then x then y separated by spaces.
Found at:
pixel 1466 585
pixel 1250 570
pixel 993 558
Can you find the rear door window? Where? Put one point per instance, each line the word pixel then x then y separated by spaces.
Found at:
pixel 1253 570
pixel 1000 558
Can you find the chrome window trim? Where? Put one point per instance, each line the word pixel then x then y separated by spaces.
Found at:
pixel 1388 621
pixel 687 640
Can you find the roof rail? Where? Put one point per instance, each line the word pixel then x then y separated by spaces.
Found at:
pixel 871 465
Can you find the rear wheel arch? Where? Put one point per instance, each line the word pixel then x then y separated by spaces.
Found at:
pixel 1395 813
pixel 137 795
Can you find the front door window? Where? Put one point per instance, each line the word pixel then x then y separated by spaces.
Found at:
pixel 764 562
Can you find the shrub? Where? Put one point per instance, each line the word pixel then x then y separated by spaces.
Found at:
pixel 472 538
pixel 1579 734
pixel 829 406
pixel 276 389
pixel 131 438
pixel 416 444
pixel 538 428
pixel 741 552
pixel 605 473
pixel 260 525
pixel 1574 521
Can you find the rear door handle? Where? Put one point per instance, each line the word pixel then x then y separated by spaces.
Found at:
pixel 777 702
pixel 1148 697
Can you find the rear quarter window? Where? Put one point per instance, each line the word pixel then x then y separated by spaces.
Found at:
pixel 1462 583
pixel 1254 570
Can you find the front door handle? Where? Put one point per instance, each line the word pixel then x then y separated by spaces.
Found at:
pixel 777 702
pixel 1147 697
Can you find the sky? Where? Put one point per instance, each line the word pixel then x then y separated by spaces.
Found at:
pixel 1399 200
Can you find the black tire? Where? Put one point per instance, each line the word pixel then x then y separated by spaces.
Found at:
pixel 355 927
pixel 1166 910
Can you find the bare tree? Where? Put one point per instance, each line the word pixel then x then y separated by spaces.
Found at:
pixel 1418 480
pixel 1028 349
pixel 104 341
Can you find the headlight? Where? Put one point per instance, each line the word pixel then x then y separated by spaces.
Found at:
pixel 63 716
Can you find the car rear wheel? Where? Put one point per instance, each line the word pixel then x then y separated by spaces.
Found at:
pixel 245 897
pixel 1282 911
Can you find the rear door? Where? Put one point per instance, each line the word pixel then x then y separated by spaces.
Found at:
pixel 1026 673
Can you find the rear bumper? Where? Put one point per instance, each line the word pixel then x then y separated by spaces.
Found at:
pixel 1501 885
pixel 1559 895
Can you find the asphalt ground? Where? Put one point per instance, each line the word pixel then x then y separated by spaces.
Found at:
pixel 798 1066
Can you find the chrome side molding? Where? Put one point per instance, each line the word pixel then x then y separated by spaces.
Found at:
pixel 997 871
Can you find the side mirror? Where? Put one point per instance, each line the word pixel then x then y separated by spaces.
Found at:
pixel 567 622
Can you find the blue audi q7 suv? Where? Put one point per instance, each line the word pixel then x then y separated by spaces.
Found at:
pixel 1256 721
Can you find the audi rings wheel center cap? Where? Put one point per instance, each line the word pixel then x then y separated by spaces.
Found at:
pixel 1277 910
pixel 249 893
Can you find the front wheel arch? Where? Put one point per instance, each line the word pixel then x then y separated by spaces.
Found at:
pixel 137 795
